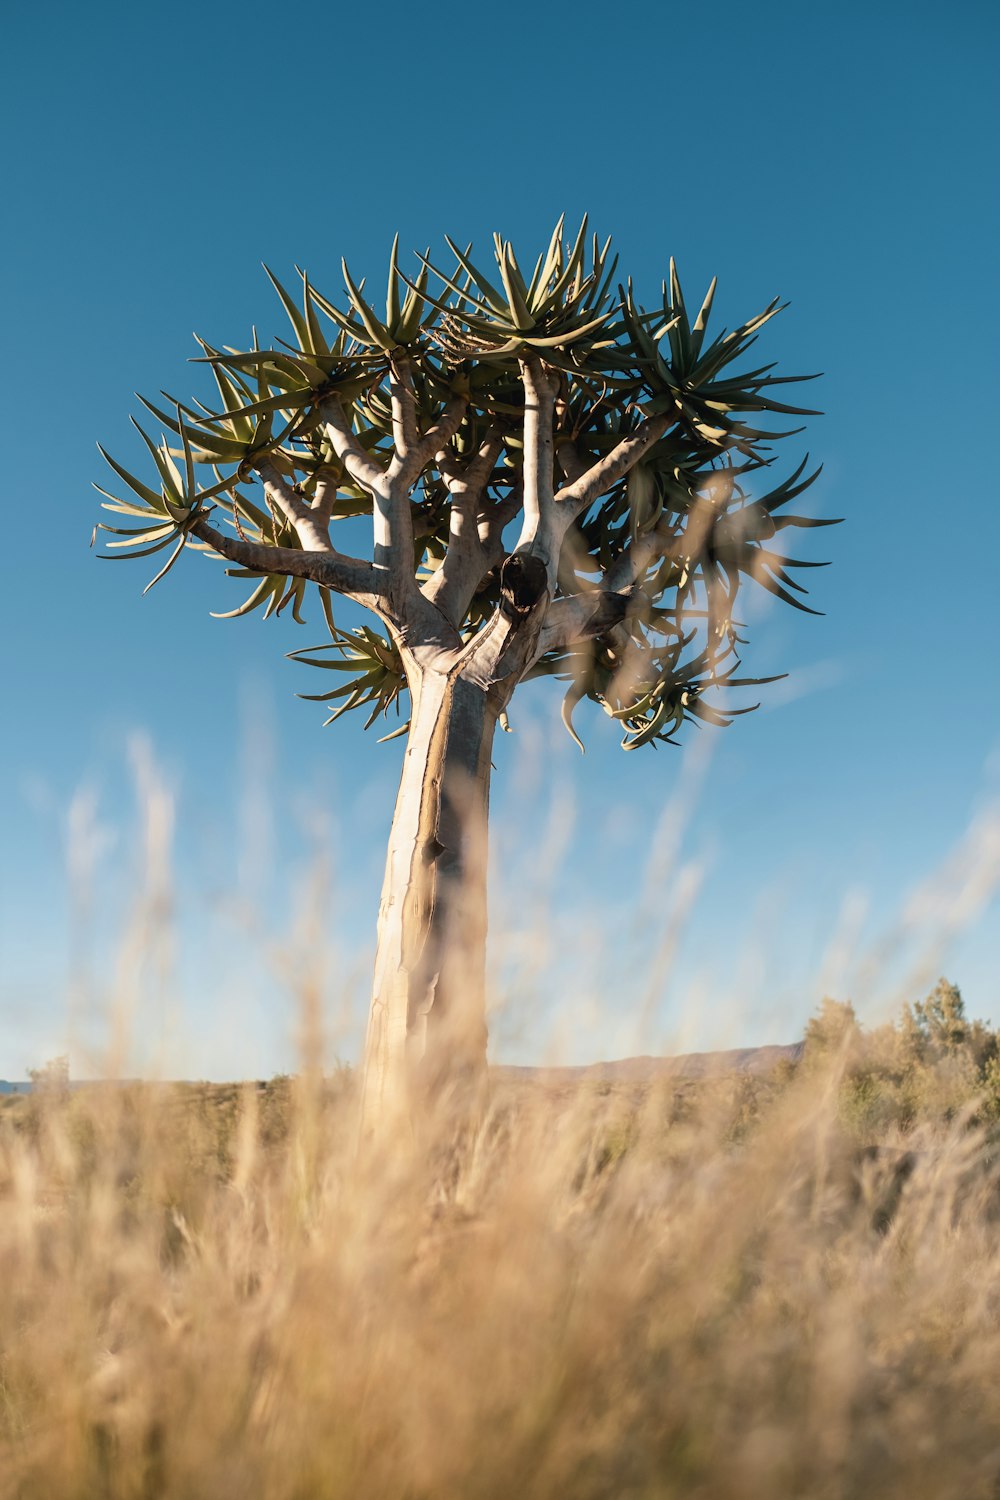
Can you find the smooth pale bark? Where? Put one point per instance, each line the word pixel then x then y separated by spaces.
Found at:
pixel 427 1026
pixel 427 1030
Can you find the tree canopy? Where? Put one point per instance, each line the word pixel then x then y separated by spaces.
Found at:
pixel 462 414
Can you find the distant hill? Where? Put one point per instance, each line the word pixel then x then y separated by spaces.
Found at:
pixel 754 1060
pixel 7 1087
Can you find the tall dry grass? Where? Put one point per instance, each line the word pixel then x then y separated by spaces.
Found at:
pixel 741 1287
pixel 697 1290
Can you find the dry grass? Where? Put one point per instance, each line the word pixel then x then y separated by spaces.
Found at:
pixel 737 1287
pixel 701 1290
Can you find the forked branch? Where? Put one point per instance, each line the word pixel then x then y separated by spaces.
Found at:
pixel 362 468
pixel 310 526
pixel 470 552
pixel 415 450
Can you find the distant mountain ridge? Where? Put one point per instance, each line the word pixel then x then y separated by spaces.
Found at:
pixel 754 1060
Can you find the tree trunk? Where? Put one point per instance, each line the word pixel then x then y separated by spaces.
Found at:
pixel 427 1027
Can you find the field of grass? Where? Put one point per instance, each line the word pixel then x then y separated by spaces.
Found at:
pixel 778 1286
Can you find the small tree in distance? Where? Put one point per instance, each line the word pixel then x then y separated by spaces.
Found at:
pixel 558 482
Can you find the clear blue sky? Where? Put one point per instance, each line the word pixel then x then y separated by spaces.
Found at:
pixel 843 156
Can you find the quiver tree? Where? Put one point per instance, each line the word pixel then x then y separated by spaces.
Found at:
pixel 553 479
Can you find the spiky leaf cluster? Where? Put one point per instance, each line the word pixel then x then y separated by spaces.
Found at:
pixel 693 507
pixel 375 678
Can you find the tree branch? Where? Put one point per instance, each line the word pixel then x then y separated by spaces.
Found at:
pixel 325 498
pixel 405 433
pixel 413 451
pixel 392 521
pixel 539 405
pixel 466 560
pixel 493 522
pixel 333 570
pixel 479 470
pixel 581 617
pixel 441 433
pixel 569 459
pixel 310 529
pixel 606 473
pixel 415 618
pixel 362 468
pixel 630 565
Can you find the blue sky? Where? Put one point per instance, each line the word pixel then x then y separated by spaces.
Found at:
pixel 844 157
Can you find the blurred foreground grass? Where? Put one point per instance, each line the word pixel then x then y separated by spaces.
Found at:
pixel 745 1286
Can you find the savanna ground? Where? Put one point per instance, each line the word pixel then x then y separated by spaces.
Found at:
pixel 767 1286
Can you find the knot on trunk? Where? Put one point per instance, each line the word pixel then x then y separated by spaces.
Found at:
pixel 523 583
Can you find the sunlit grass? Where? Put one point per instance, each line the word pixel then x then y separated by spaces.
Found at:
pixel 745 1285
pixel 681 1289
